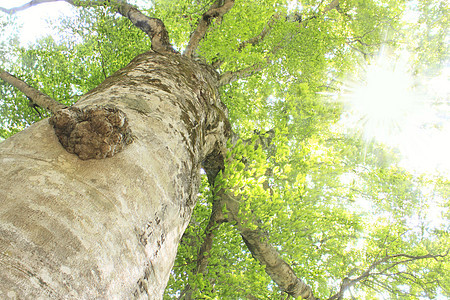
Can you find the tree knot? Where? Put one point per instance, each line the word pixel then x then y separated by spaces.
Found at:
pixel 93 131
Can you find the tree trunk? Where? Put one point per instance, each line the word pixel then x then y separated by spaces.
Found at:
pixel 109 228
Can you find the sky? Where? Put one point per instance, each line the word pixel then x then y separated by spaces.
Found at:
pixel 383 103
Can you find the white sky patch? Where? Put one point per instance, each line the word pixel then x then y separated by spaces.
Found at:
pixel 411 14
pixel 294 5
pixel 34 21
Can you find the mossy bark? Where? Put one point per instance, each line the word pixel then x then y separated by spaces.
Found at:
pixel 109 228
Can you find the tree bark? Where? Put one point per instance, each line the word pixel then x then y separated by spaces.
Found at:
pixel 109 228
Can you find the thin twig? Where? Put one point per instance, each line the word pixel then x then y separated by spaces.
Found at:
pixel 229 77
pixel 260 37
pixel 25 6
pixel 347 282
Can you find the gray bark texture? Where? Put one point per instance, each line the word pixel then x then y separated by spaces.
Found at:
pixel 109 228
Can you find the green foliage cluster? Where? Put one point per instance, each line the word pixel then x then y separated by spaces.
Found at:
pixel 428 34
pixel 333 205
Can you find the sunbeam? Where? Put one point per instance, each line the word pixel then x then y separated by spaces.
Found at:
pixel 390 105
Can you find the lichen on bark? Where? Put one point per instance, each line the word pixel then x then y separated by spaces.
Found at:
pixel 93 131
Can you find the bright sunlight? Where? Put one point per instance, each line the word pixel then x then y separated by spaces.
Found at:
pixel 384 99
pixel 390 106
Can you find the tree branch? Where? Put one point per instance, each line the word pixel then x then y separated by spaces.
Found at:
pixel 256 241
pixel 28 5
pixel 333 5
pixel 275 266
pixel 229 77
pixel 347 282
pixel 294 18
pixel 215 220
pixel 153 27
pixel 257 39
pixel 217 10
pixel 36 96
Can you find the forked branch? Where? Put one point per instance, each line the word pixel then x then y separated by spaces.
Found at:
pixel 296 17
pixel 36 96
pixel 388 259
pixel 217 10
pixel 231 76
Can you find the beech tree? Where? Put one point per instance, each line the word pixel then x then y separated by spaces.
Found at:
pixel 186 151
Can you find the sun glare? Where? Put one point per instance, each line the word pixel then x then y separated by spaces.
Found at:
pixel 383 99
pixel 34 21
pixel 389 105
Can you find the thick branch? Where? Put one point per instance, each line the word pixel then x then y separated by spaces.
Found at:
pixel 276 267
pixel 256 241
pixel 280 272
pixel 36 96
pixel 217 10
pixel 153 27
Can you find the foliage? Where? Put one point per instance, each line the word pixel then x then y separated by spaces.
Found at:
pixel 333 205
